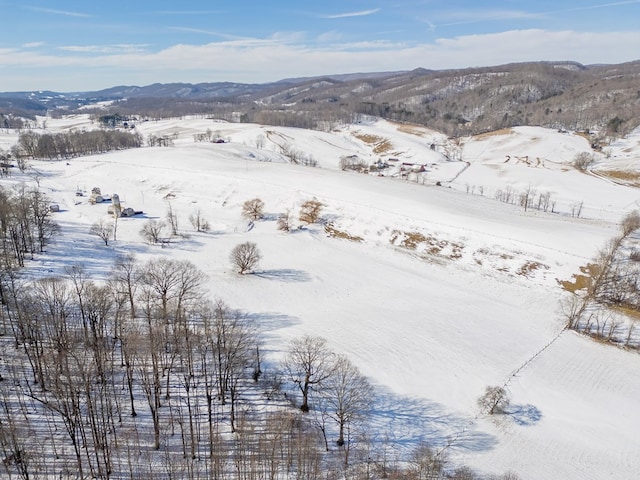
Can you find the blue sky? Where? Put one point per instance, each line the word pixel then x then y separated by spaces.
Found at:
pixel 70 45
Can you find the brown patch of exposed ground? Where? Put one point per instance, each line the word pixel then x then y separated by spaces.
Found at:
pixel 494 133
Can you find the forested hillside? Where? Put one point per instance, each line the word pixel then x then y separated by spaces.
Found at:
pixel 563 95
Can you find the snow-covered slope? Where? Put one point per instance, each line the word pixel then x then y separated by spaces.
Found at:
pixel 447 290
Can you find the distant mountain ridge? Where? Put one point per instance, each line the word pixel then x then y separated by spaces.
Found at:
pixel 459 101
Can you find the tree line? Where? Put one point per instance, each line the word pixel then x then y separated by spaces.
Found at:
pixel 64 145
pixel 605 302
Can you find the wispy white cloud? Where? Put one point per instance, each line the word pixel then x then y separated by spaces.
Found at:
pixel 106 49
pixel 467 16
pixel 362 13
pixel 58 12
pixel 464 17
pixel 212 33
pixel 604 5
pixel 237 40
pixel 33 44
pixel 273 58
pixel 430 25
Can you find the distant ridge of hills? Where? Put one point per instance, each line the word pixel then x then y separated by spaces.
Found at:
pixel 460 101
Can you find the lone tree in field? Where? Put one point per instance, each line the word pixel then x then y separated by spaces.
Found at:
pixel 102 229
pixel 152 231
pixel 495 400
pixel 583 160
pixel 308 363
pixel 245 256
pixel 285 221
pixel 310 211
pixel 253 209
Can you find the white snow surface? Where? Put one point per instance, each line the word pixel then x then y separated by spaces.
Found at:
pixel 431 331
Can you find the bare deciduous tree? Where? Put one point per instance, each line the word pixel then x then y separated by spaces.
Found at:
pixel 172 218
pixel 285 221
pixel 494 400
pixel 630 223
pixel 245 256
pixel 426 463
pixel 347 394
pixel 309 363
pixel 310 211
pixel 152 231
pixel 103 230
pixel 583 160
pixel 125 276
pixel 173 282
pixel 253 209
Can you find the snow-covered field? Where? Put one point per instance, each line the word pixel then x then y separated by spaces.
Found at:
pixel 431 326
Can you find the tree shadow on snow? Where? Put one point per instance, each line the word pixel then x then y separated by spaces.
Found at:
pixel 270 321
pixel 408 422
pixel 524 415
pixel 287 275
pixel 75 246
pixel 271 217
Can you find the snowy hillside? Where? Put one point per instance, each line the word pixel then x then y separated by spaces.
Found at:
pixel 442 290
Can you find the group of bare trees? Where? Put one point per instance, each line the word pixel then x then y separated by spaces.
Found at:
pixel 89 358
pixel 73 144
pixel 161 141
pixel 310 212
pixel 340 391
pixel 528 199
pixel 611 286
pixel 26 224
pixel 9 122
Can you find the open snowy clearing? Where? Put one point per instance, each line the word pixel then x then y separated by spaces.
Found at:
pixel 430 325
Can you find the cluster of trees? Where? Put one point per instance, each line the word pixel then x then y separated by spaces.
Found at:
pixel 26 224
pixel 112 120
pixel 341 392
pixel 54 146
pixel 88 355
pixel 611 284
pixel 353 162
pixel 11 122
pixel 156 107
pixel 529 198
pixel 310 212
pixel 161 141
